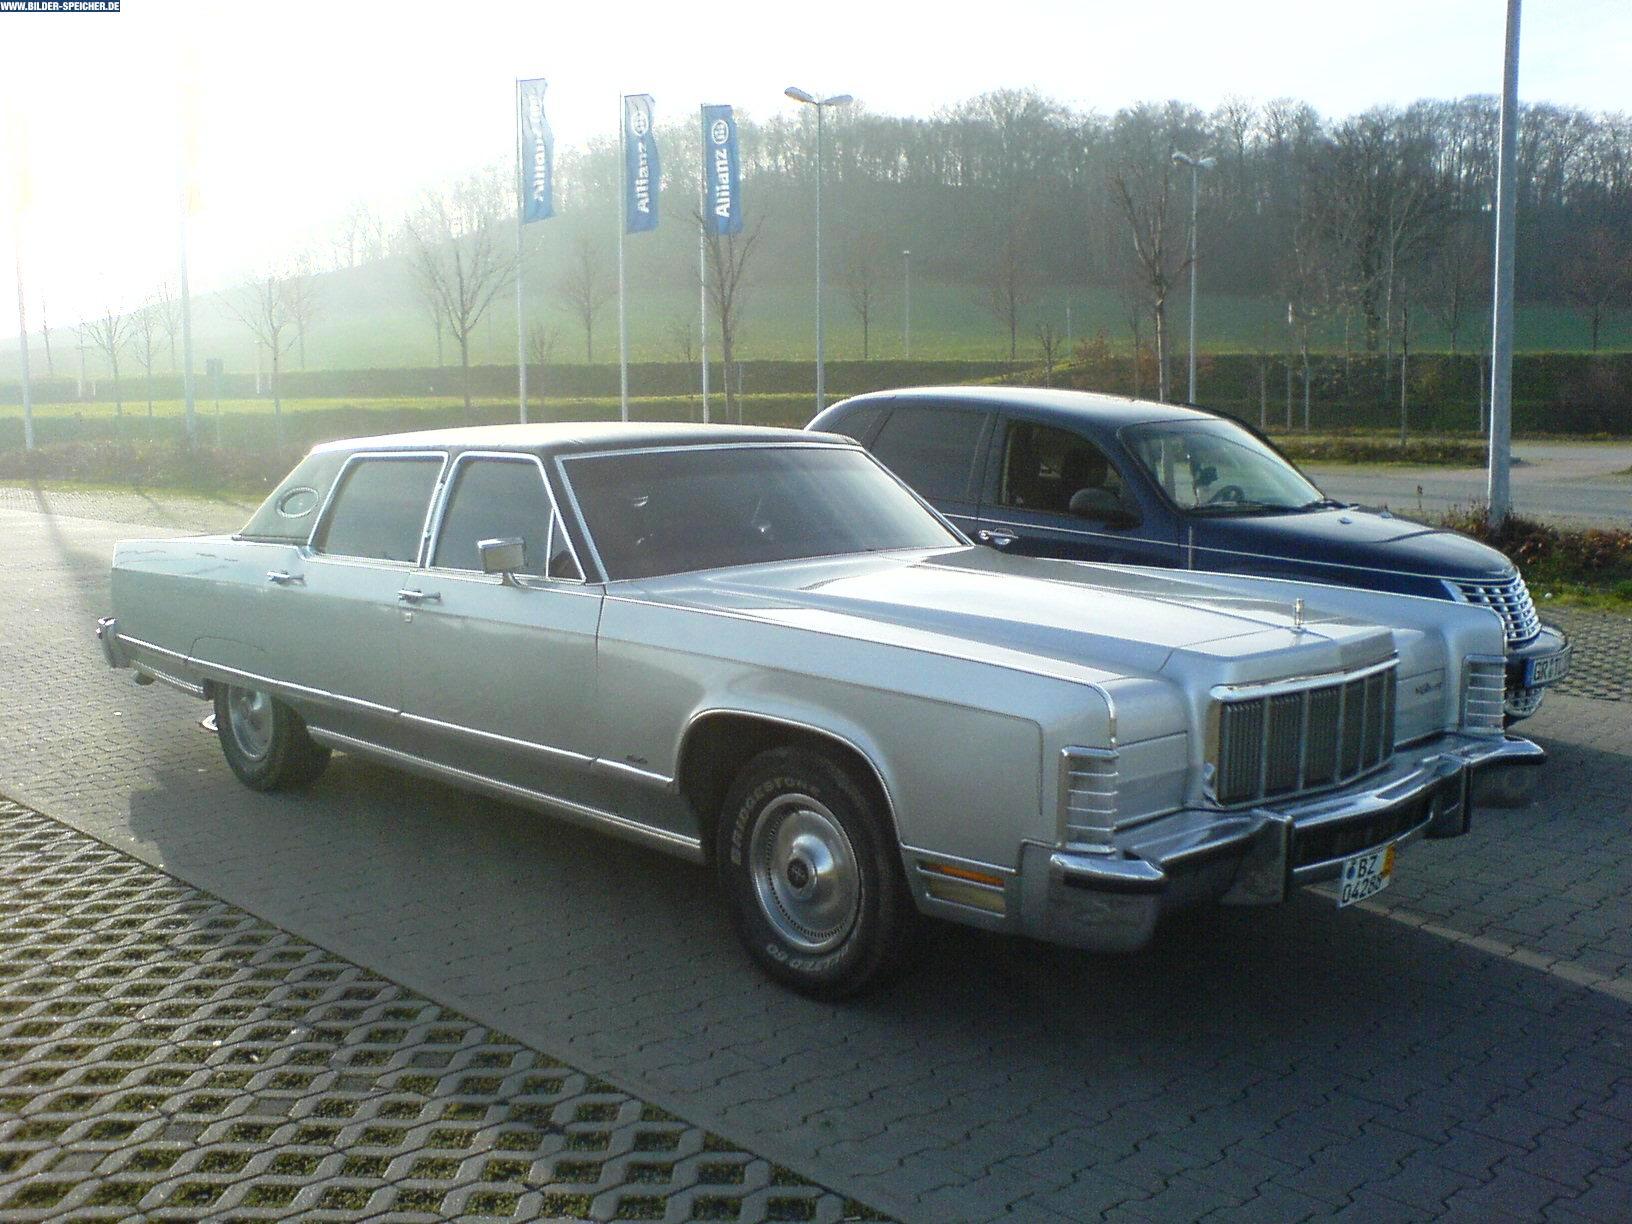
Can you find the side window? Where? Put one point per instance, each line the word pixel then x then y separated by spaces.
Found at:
pixel 932 449
pixel 379 511
pixel 860 422
pixel 497 499
pixel 1044 467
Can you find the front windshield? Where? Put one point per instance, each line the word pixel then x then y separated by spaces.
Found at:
pixel 693 508
pixel 1218 468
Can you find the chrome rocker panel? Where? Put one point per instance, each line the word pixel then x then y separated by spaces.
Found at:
pixel 1111 902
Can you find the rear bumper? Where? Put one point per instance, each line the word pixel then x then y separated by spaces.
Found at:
pixel 1111 902
pixel 107 633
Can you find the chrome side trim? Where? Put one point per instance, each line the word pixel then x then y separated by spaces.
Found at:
pixel 222 671
pixel 492 737
pixel 618 769
pixel 689 848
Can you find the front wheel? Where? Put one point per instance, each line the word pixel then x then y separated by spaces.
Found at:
pixel 265 742
pixel 812 872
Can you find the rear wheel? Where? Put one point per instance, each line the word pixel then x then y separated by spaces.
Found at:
pixel 812 872
pixel 265 742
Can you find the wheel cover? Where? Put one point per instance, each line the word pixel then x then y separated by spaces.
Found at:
pixel 805 873
pixel 249 718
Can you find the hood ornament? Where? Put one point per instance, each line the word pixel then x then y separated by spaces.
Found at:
pixel 1297 616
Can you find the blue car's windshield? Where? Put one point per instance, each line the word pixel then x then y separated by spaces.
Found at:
pixel 706 507
pixel 1218 468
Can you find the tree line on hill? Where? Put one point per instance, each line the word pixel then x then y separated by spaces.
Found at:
pixel 1360 224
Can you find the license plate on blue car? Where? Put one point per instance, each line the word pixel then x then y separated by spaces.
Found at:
pixel 1365 875
pixel 1547 670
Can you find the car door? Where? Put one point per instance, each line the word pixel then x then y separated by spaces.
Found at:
pixel 1037 473
pixel 499 670
pixel 937 449
pixel 337 634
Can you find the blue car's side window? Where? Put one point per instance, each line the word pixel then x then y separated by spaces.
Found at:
pixel 1044 468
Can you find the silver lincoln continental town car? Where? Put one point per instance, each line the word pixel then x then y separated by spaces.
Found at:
pixel 759 649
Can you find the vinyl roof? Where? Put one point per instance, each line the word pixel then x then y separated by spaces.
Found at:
pixel 572 436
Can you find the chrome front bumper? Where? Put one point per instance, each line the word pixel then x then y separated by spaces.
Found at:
pixel 1256 856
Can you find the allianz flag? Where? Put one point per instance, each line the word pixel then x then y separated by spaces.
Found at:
pixel 722 172
pixel 537 152
pixel 641 169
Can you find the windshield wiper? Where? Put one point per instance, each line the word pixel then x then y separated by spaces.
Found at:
pixel 1233 507
pixel 1324 503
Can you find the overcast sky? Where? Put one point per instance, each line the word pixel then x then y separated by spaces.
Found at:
pixel 307 107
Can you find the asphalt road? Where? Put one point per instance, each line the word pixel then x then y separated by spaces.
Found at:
pixel 1585 483
pixel 1461 1049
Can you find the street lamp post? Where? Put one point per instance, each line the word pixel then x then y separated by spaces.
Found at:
pixel 906 305
pixel 1197 165
pixel 821 104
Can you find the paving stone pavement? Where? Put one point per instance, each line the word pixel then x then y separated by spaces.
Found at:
pixel 165 1054
pixel 1462 1051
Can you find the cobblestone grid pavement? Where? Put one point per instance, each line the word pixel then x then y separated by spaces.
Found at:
pixel 1461 1050
pixel 163 1053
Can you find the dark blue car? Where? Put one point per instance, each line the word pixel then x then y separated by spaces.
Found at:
pixel 1101 478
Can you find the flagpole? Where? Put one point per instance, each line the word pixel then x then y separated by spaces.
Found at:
pixel 521 328
pixel 702 262
pixel 187 333
pixel 623 322
pixel 22 343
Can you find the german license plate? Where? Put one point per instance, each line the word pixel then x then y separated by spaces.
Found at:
pixel 1546 671
pixel 1365 875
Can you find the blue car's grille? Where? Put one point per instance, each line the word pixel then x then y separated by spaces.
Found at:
pixel 1510 599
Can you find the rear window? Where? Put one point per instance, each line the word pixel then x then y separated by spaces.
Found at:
pixel 380 509
pixel 673 511
pixel 288 515
pixel 932 449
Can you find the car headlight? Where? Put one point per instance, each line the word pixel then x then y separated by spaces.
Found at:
pixel 1088 792
pixel 1484 691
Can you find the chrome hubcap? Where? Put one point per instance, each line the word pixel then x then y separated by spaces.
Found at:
pixel 249 717
pixel 805 873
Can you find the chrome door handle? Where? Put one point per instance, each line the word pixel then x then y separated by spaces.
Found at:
pixel 284 578
pixel 419 597
pixel 1000 538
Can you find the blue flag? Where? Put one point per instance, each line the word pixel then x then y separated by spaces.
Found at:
pixel 537 144
pixel 641 169
pixel 722 172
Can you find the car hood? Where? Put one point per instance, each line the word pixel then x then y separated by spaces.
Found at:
pixel 1059 617
pixel 1351 538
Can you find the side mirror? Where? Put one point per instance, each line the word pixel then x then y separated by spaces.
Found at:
pixel 504 556
pixel 1103 506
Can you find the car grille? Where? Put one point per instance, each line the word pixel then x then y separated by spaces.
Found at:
pixel 1510 599
pixel 1290 741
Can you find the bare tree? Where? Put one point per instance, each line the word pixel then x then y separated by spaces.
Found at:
pixel 727 258
pixel 588 286
pixel 145 329
pixel 359 237
pixel 305 301
pixel 1305 278
pixel 1141 182
pixel 460 259
pixel 683 337
pixel 861 285
pixel 1459 276
pixel 263 307
pixel 543 342
pixel 109 334
pixel 1011 285
pixel 1050 341
pixel 1600 276
pixel 168 306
